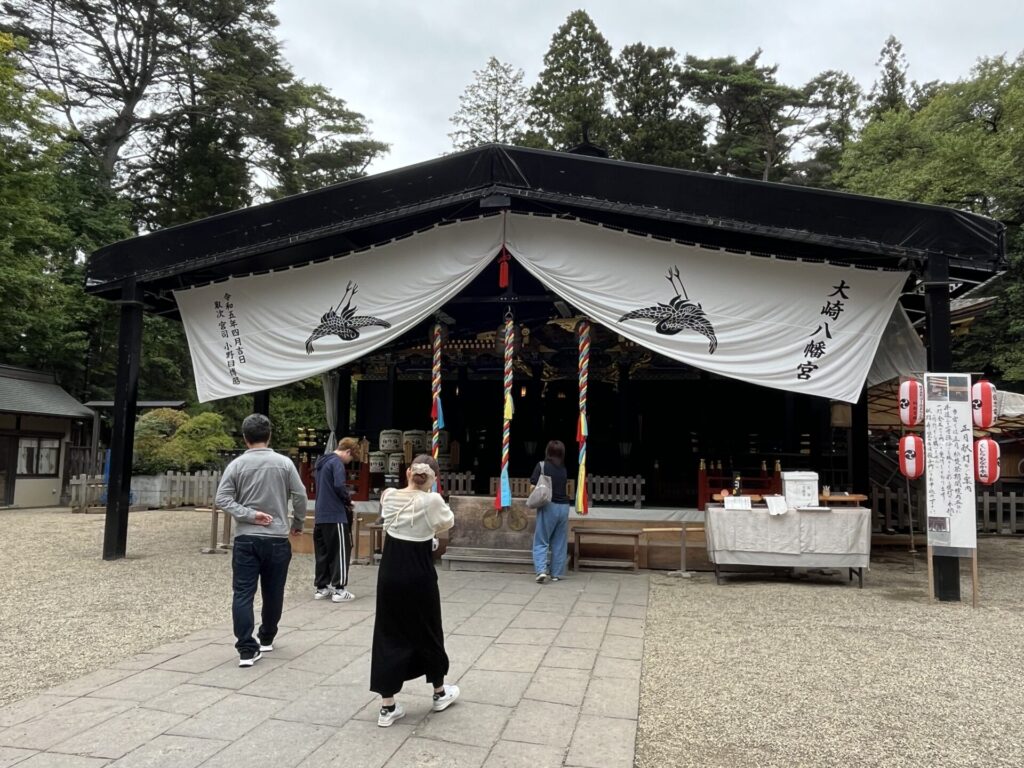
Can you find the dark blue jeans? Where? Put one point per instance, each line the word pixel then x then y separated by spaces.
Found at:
pixel 262 559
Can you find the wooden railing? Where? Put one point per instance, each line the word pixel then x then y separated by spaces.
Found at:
pixel 600 488
pixel 457 483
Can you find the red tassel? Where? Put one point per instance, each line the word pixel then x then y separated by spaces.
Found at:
pixel 497 497
pixel 503 261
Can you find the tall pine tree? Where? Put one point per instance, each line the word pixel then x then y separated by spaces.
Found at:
pixel 492 109
pixel 569 100
pixel 650 123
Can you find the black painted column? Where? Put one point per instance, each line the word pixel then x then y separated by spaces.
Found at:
pixel 344 402
pixel 390 393
pixel 859 475
pixel 261 402
pixel 940 360
pixel 625 419
pixel 126 395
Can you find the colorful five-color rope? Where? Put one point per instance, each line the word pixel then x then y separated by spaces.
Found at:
pixel 583 342
pixel 435 393
pixel 503 498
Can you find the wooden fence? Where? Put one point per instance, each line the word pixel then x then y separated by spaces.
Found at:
pixel 171 489
pixel 86 491
pixel 1000 512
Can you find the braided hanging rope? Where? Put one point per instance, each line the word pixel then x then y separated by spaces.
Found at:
pixel 436 411
pixel 503 498
pixel 583 343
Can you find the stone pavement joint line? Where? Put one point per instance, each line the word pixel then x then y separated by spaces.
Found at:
pixel 550 676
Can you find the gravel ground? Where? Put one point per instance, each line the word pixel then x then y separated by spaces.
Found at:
pixel 760 671
pixel 64 611
pixel 769 671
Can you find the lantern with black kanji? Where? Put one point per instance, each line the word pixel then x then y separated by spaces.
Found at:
pixel 912 456
pixel 983 403
pixel 986 460
pixel 911 402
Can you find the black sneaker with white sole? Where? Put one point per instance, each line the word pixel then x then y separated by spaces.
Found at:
pixel 249 660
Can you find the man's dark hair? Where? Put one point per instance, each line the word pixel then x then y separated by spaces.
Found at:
pixel 256 428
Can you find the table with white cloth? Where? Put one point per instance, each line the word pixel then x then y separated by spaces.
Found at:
pixel 839 537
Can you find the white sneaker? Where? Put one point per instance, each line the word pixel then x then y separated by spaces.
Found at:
pixel 320 594
pixel 444 700
pixel 342 596
pixel 541 578
pixel 244 661
pixel 385 718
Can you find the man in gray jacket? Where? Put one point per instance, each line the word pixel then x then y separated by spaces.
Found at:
pixel 255 490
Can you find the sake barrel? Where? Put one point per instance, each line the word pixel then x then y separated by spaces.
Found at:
pixel 395 462
pixel 444 462
pixel 417 437
pixel 391 481
pixel 378 461
pixel 390 440
pixel 442 441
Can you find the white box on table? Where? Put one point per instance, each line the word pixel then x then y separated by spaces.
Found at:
pixel 800 488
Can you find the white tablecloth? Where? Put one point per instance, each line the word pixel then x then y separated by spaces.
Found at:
pixel 837 538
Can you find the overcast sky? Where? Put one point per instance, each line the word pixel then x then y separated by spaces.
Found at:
pixel 404 63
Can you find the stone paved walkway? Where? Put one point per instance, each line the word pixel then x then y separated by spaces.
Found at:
pixel 550 676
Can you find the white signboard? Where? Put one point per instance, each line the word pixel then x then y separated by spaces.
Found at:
pixel 949 469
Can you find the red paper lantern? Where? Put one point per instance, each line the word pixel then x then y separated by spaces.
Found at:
pixel 912 456
pixel 983 403
pixel 911 402
pixel 986 460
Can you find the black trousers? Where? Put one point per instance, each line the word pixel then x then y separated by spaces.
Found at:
pixel 259 560
pixel 408 636
pixel 332 550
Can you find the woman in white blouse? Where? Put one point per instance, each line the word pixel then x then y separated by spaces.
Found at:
pixel 408 639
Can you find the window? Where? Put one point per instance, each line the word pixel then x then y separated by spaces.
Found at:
pixel 38 456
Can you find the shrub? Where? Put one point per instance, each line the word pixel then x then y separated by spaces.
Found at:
pixel 164 442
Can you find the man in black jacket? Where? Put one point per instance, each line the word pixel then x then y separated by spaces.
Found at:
pixel 332 531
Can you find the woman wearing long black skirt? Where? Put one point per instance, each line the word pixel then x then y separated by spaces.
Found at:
pixel 408 639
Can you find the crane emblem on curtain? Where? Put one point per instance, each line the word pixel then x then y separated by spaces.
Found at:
pixel 342 321
pixel 680 314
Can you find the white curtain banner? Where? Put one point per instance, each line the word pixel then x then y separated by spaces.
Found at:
pixel 798 326
pixel 248 334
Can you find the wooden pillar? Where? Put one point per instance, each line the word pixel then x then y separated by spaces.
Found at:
pixel 940 360
pixel 126 395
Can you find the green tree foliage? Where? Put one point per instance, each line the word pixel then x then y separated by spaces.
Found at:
pixel 963 148
pixel 569 100
pixel 833 101
pixel 492 109
pixel 890 92
pixel 166 439
pixel 756 121
pixel 650 123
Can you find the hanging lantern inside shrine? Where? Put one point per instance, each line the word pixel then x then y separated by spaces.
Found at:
pixel 911 402
pixel 986 460
pixel 912 456
pixel 983 403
